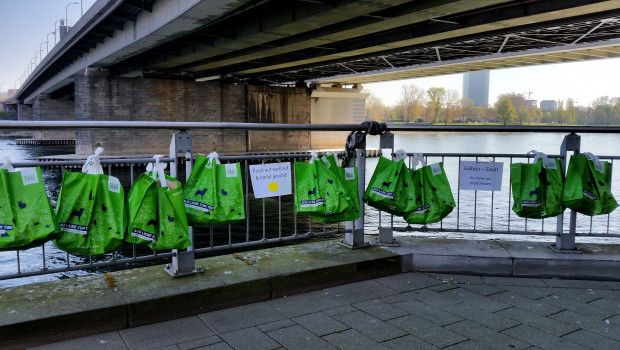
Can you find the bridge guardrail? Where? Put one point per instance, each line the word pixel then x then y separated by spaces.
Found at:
pixel 266 218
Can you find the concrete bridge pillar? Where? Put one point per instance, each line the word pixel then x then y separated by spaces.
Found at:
pixel 102 96
pixel 49 109
pixel 336 105
pixel 24 112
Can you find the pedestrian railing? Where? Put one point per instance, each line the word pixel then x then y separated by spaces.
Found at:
pixel 274 220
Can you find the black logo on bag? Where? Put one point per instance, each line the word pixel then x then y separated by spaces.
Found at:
pixel 77 213
pixel 313 192
pixel 386 184
pixel 534 193
pixel 21 205
pixel 201 192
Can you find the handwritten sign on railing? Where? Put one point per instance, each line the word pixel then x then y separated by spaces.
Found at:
pixel 271 180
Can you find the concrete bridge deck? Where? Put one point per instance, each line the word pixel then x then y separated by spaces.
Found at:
pixel 426 294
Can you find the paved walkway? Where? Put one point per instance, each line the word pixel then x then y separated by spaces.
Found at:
pixel 405 311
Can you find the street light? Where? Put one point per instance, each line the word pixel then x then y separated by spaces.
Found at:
pixel 67 16
pixel 35 59
pixel 60 20
pixel 41 51
pixel 48 39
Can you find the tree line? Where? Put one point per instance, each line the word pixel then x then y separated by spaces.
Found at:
pixel 440 106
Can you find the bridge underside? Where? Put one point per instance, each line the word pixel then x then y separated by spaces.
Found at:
pixel 287 42
pixel 335 41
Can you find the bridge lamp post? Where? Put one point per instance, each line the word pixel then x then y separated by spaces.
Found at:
pixel 67 14
pixel 55 29
pixel 35 59
pixel 41 51
pixel 48 40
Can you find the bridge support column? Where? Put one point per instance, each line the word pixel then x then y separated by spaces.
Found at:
pixel 46 108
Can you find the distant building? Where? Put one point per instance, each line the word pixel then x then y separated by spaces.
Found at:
pixel 548 105
pixel 533 103
pixel 476 87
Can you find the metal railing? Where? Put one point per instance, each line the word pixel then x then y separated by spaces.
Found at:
pixel 274 220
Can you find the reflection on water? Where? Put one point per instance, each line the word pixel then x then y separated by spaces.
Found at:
pixel 476 210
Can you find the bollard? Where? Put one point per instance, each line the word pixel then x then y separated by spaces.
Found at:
pixel 183 262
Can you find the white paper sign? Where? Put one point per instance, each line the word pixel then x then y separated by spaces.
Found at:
pixel 478 176
pixel 271 180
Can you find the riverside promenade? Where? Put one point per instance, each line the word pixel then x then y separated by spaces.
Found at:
pixel 429 293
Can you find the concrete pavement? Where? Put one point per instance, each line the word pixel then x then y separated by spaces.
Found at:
pixel 426 293
pixel 405 311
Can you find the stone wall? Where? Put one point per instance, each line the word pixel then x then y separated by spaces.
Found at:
pixel 269 104
pixel 100 96
pixel 48 109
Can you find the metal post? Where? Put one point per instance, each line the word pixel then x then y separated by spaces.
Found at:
pixel 386 233
pixel 565 241
pixel 183 262
pixel 354 237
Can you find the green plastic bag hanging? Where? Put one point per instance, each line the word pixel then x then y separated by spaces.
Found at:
pixel 26 216
pixel 586 188
pixel 345 184
pixel 434 200
pixel 213 193
pixel 91 210
pixel 156 211
pixel 537 187
pixel 319 193
pixel 391 188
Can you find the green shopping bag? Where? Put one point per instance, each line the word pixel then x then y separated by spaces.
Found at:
pixel 391 188
pixel 333 179
pixel 434 200
pixel 156 211
pixel 91 210
pixel 319 192
pixel 26 216
pixel 586 188
pixel 537 187
pixel 213 193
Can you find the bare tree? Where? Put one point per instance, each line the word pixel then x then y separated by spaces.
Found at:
pixel 453 104
pixel 411 101
pixel 375 109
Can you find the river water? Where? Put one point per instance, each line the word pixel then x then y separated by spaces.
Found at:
pixel 476 210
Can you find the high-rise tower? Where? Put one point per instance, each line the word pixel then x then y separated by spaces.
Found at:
pixel 476 87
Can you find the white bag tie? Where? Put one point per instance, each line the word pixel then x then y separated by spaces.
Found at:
pixel 7 164
pixel 157 171
pixel 598 165
pixel 212 156
pixel 92 164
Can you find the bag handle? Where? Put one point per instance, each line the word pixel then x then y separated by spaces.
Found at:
pixel 92 164
pixel 598 165
pixel 7 164
pixel 315 156
pixel 418 158
pixel 157 171
pixel 400 155
pixel 212 156
pixel 547 163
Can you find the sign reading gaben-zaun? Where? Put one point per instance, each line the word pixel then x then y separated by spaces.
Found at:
pixel 481 176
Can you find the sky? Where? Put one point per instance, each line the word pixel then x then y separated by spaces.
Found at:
pixel 26 26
